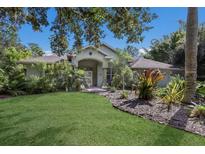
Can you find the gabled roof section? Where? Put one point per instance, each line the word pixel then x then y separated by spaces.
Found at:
pixel 108 46
pixel 93 47
pixel 143 63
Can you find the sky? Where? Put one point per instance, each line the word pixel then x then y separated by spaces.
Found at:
pixel 166 23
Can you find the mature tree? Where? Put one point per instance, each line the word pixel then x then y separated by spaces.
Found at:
pixel 58 44
pixel 11 20
pixel 160 49
pixel 84 24
pixel 8 36
pixel 35 49
pixel 16 17
pixel 132 50
pixel 88 24
pixel 169 49
pixel 191 54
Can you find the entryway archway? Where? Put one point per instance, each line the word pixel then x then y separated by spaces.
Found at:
pixel 93 71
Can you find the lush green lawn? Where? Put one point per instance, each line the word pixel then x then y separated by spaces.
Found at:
pixel 80 119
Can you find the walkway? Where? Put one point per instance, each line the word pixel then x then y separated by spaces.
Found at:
pixel 94 90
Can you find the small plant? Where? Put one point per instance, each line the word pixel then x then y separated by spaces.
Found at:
pixel 160 92
pixel 198 111
pixel 124 94
pixel 112 89
pixel 200 89
pixel 174 92
pixel 147 82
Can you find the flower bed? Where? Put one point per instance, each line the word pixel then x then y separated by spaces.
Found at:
pixel 177 116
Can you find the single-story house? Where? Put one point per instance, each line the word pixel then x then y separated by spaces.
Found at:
pixel 141 64
pixel 97 63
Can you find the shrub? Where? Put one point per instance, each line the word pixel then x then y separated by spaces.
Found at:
pixel 147 82
pixel 122 73
pixel 33 85
pixel 174 92
pixel 14 82
pixel 59 76
pixel 78 79
pixel 124 94
pixel 160 92
pixel 3 80
pixel 198 111
pixel 112 89
pixel 200 89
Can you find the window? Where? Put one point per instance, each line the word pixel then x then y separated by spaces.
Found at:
pixel 110 75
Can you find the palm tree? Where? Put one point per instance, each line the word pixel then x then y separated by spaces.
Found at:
pixel 191 54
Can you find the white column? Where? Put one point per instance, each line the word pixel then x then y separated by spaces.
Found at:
pixel 104 77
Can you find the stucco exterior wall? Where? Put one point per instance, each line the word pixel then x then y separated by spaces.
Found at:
pixel 91 54
pixel 109 52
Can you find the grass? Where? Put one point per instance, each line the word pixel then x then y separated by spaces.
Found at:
pixel 80 119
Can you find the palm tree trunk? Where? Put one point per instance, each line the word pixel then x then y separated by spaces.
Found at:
pixel 191 54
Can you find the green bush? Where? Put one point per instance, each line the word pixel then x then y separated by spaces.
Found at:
pixel 33 85
pixel 112 89
pixel 147 83
pixel 124 94
pixel 160 92
pixel 54 77
pixel 122 73
pixel 59 76
pixel 200 89
pixel 14 82
pixel 174 92
pixel 198 111
pixel 3 80
pixel 78 79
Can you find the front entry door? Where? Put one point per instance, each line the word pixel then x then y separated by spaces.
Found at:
pixel 89 78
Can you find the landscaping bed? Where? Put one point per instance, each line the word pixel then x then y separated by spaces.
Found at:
pixel 4 96
pixel 177 116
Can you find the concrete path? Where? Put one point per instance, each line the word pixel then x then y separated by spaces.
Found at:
pixel 95 90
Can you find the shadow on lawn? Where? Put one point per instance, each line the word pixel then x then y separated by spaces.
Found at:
pixel 11 134
pixel 48 136
pixel 170 136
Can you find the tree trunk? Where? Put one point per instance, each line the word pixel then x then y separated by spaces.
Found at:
pixel 191 54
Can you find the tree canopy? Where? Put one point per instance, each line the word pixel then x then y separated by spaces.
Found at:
pixel 168 49
pixel 171 49
pixel 83 24
pixel 35 49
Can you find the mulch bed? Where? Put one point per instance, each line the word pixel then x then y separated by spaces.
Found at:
pixel 4 96
pixel 177 116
